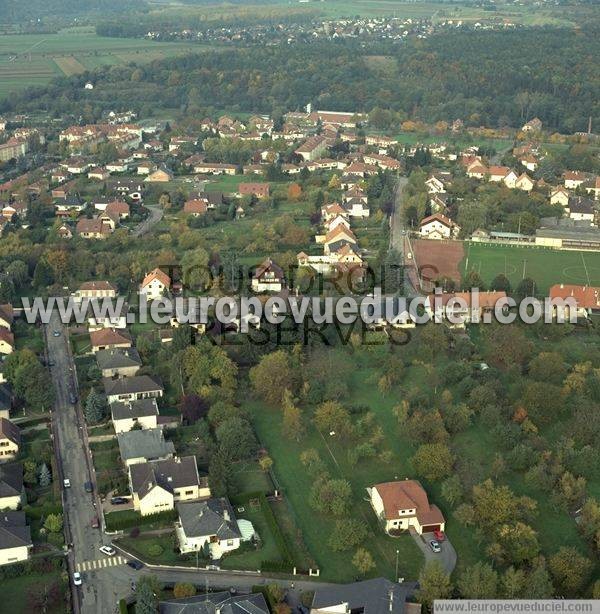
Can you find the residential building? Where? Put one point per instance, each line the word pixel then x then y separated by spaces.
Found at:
pixel 460 308
pixel 211 603
pixel 132 388
pixel 144 446
pixel 127 415
pixel 559 196
pixel 314 147
pixel 6 315
pixel 95 289
pixel 573 179
pixel 157 486
pixel 207 525
pixel 268 277
pixel 7 341
pixel 101 316
pixel 118 362
pixel 109 339
pixel 155 284
pixel 10 440
pixel 12 492
pixel 404 505
pixel 533 125
pixel 195 207
pixel 438 226
pixel 94 228
pixel 15 538
pixel 260 190
pixel 586 299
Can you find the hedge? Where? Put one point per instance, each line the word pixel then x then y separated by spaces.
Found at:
pixel 127 519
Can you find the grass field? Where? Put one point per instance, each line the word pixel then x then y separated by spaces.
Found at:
pixel 34 59
pixel 545 266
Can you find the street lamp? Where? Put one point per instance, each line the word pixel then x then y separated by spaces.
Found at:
pixel 396 576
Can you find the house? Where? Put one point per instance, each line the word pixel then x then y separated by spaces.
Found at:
pixel 438 226
pixel 64 232
pixel 7 341
pixel 529 161
pixel 533 125
pixel 10 440
pixel 587 299
pixel 161 175
pixel 108 338
pixel 403 505
pixel 260 190
pixel 314 147
pixel 143 446
pixel 461 308
pixel 12 492
pixel 375 596
pixel 95 290
pixel 6 396
pixel 94 228
pixel 207 526
pixel 436 183
pixel 126 415
pixel 560 196
pixel 356 207
pixel 573 179
pixel 114 362
pixel 337 238
pixel 101 315
pixel 215 168
pixel 331 211
pixel 268 277
pixel 524 183
pixel 195 207
pixel 6 315
pixel 476 170
pixel 155 284
pixel 210 603
pixel 581 209
pixel 132 388
pixel 157 486
pixel 15 538
pixel 117 209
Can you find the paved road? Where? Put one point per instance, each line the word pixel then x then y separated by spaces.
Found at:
pixel 75 463
pixel 447 557
pixel 156 214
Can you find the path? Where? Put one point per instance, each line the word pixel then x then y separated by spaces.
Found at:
pixel 156 214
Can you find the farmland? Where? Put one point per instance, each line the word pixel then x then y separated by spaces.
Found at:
pixel 35 59
pixel 545 266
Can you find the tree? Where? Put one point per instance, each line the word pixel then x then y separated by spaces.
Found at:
pixel 501 283
pixel 54 523
pixel 452 490
pixel 272 376
pixel 434 583
pixel 294 191
pixel 539 584
pixel 330 496
pixel 478 581
pixel 516 543
pixel 220 474
pixel 332 416
pixel 347 534
pixel 183 589
pixel 570 571
pixel 94 407
pixel 548 367
pixel 473 280
pixel 146 596
pixel 525 288
pixel 512 583
pixel 363 561
pixel 192 408
pixel 266 462
pixel 236 439
pixel 42 274
pixel 433 461
pixel 45 478
pixel 292 426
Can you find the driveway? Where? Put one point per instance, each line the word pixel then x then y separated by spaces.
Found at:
pixel 447 557
pixel 153 218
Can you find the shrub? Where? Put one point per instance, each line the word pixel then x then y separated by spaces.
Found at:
pixel 155 550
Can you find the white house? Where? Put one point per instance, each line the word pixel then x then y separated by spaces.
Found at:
pixel 438 226
pixel 15 538
pixel 155 284
pixel 126 415
pixel 11 486
pixel 268 277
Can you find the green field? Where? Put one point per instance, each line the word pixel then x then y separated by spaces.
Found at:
pixel 544 265
pixel 34 59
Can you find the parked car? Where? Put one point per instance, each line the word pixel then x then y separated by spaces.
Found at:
pixel 95 522
pixel 439 535
pixel 435 546
pixel 67 483
pixel 118 500
pixel 134 564
pixel 77 581
pixel 89 487
pixel 72 398
pixel 108 550
pixel 56 333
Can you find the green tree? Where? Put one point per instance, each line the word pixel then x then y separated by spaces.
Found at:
pixel 236 438
pixel 183 589
pixel 434 583
pixel 330 496
pixel 292 426
pixel 94 407
pixel 570 571
pixel 332 416
pixel 433 461
pixel 54 523
pixel 147 592
pixel 363 561
pixel 272 376
pixel 478 581
pixel 45 478
pixel 220 474
pixel 347 534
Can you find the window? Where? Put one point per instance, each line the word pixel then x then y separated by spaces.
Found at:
pixel 230 542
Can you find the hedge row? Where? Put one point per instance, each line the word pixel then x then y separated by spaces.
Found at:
pixel 116 521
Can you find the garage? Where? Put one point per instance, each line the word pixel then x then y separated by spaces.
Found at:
pixel 430 528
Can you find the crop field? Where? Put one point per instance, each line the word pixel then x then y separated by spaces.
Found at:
pixel 544 265
pixel 35 59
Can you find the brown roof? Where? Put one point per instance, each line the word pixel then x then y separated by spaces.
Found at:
pixel 338 233
pixel 117 206
pixel 195 205
pixel 109 336
pixel 7 336
pixel 440 218
pixel 587 297
pixel 10 431
pixel 486 300
pixel 407 495
pixel 157 274
pixel 260 189
pixel 95 225
pixel 96 285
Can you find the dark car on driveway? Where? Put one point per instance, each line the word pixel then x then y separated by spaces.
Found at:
pixel 118 500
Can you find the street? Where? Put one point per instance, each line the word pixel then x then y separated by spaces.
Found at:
pixel 155 216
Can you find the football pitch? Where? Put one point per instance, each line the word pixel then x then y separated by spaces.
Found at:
pixel 544 265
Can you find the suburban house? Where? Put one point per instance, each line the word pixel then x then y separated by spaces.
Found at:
pixel 6 397
pixel 161 175
pixel 15 538
pixel 438 226
pixel 524 183
pixel 143 446
pixel 207 526
pixel 215 168
pixel 156 486
pixel 260 190
pixel 117 209
pixel 268 277
pixel 560 196
pixel 95 289
pixel 127 415
pixel 581 209
pixel 356 207
pixel 12 492
pixel 101 316
pixel 403 505
pixel 7 341
pixel 118 362
pixel 460 308
pixel 195 207
pixel 587 299
pixel 210 603
pixel 155 284
pixel 313 148
pixel 132 388
pixel 533 125
pixel 93 228
pixel 6 315
pixel 109 339
pixel 573 179
pixel 10 440
pixel 375 596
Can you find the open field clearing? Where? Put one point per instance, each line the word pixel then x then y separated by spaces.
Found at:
pixel 70 66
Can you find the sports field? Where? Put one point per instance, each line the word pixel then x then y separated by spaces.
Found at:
pixel 545 266
pixel 34 59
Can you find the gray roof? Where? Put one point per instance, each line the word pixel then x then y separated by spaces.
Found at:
pixel 130 385
pixel 370 596
pixel 168 474
pixel 587 234
pixel 211 517
pixel 140 408
pixel 11 480
pixel 208 604
pixel 5 396
pixel 118 358
pixel 13 530
pixel 149 444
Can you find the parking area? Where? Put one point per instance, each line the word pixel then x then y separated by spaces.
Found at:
pixel 447 556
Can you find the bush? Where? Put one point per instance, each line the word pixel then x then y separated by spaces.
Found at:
pixel 135 532
pixel 155 550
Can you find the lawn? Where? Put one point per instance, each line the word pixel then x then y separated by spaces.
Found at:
pixel 545 266
pixel 17 591
pixel 142 547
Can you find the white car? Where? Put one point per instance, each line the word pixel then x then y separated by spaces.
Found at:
pixel 108 550
pixel 67 483
pixel 434 545
pixel 77 581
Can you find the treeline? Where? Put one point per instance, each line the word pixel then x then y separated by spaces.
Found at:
pixel 487 78
pixel 16 11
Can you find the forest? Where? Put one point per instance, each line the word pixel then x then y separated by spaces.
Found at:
pixel 485 78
